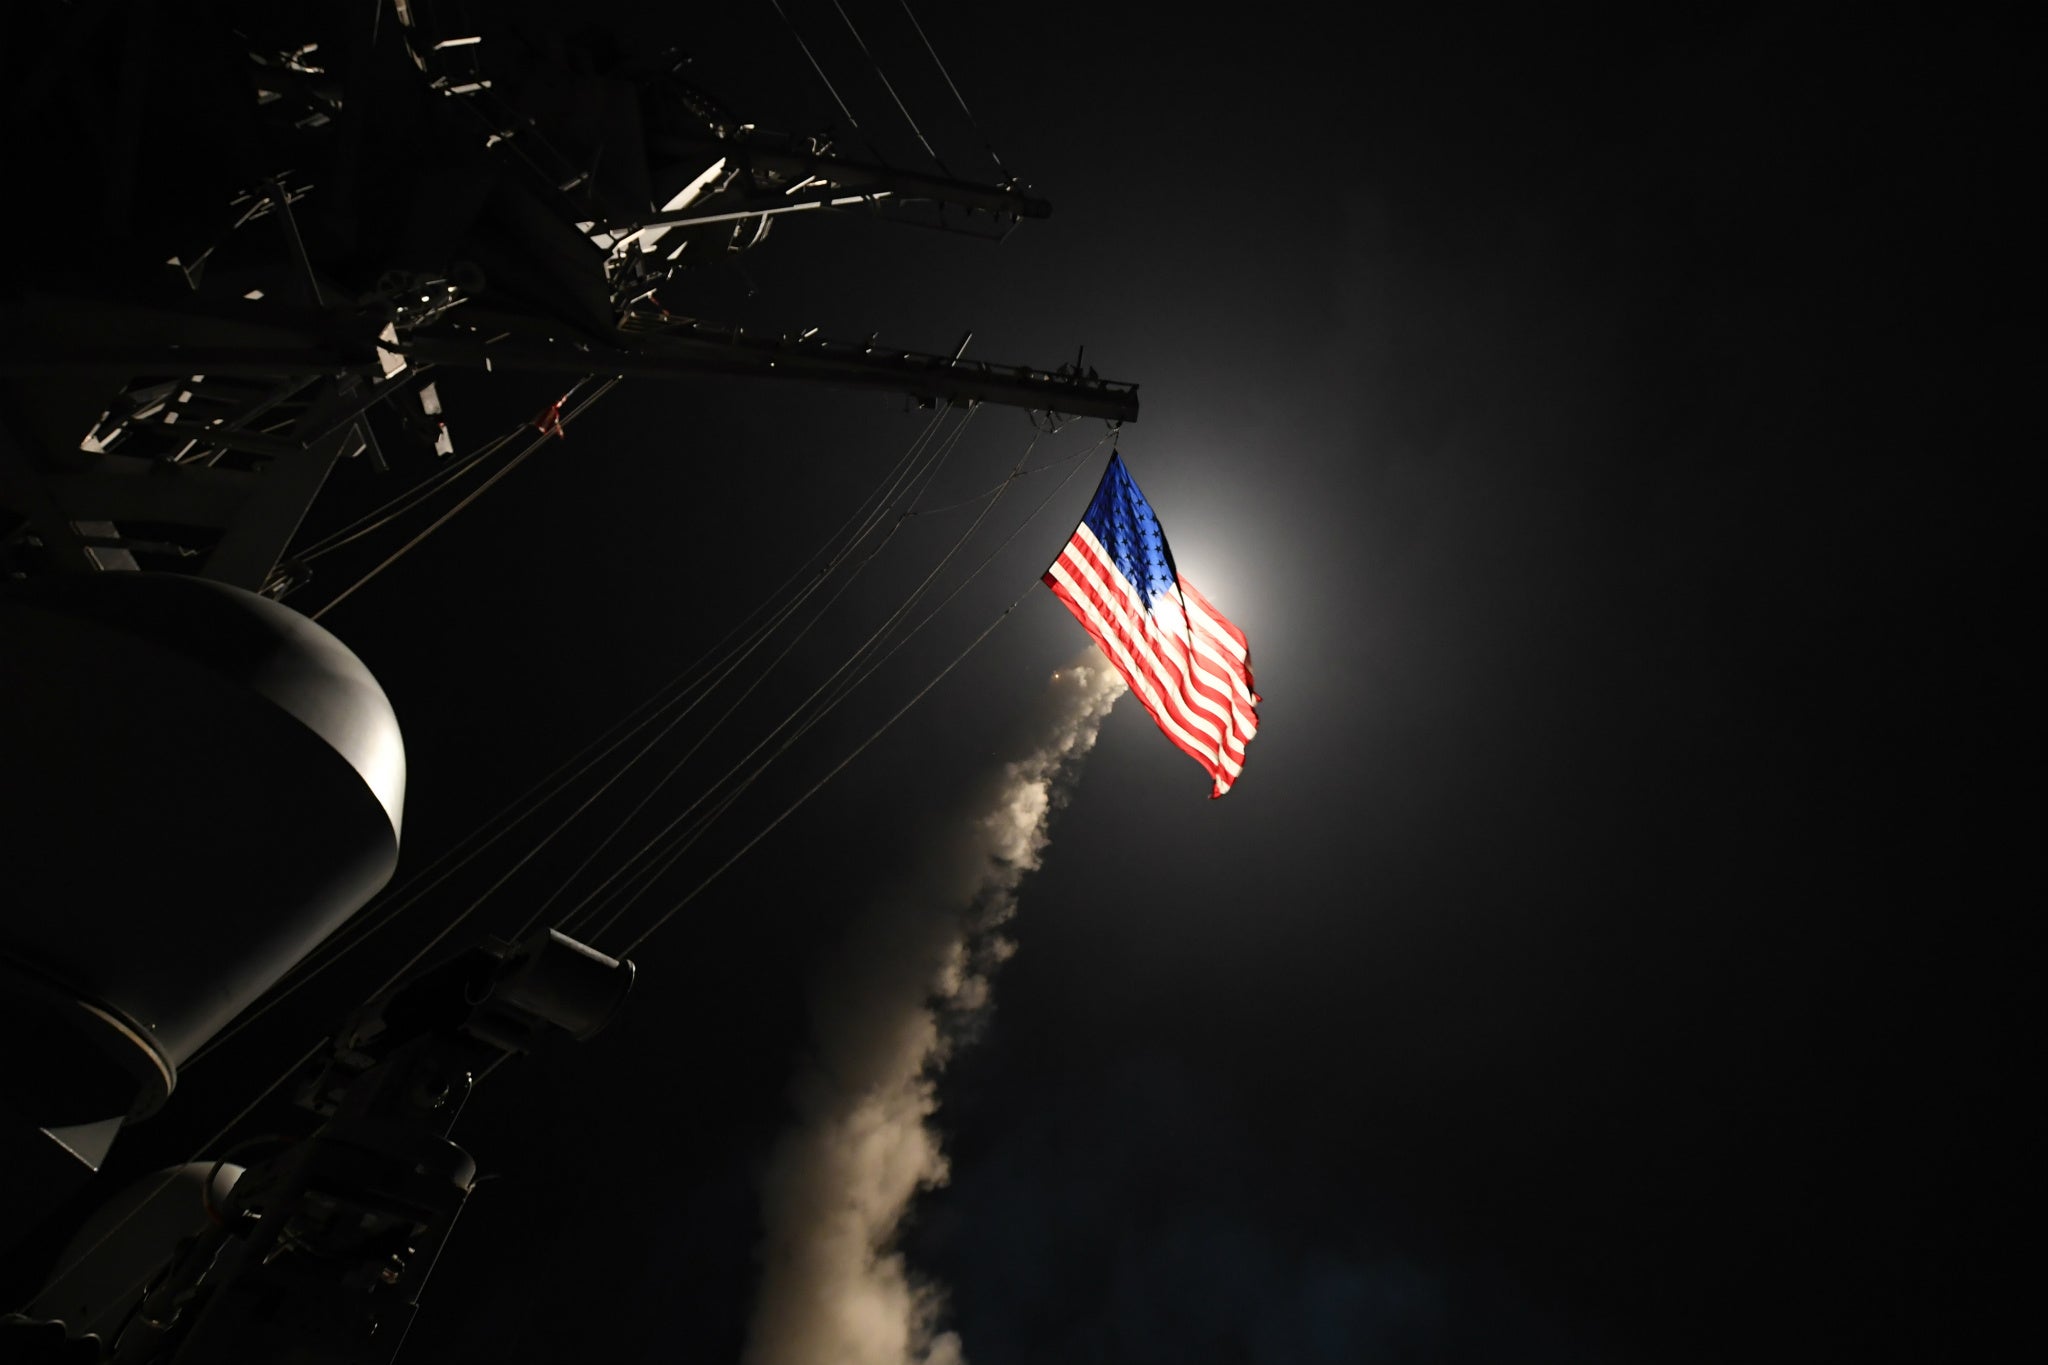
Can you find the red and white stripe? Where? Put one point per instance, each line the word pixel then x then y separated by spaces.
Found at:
pixel 1187 663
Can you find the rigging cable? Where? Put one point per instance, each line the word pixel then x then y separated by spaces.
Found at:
pixel 681 684
pixel 851 121
pixel 380 517
pixel 917 594
pixel 563 824
pixel 796 713
pixel 972 121
pixel 397 900
pixel 534 445
pixel 670 856
pixel 819 785
pixel 695 891
pixel 884 78
pixel 997 488
pixel 961 586
pixel 628 865
pixel 474 905
pixel 931 469
pixel 674 852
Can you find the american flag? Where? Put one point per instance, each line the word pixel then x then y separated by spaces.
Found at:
pixel 1186 662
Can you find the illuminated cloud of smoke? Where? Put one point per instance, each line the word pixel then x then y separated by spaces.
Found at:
pixel 913 977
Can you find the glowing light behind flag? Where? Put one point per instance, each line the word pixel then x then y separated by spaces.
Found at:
pixel 1190 666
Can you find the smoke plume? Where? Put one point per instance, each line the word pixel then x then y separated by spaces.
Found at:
pixel 909 987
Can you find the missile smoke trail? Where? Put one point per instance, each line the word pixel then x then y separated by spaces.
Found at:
pixel 914 974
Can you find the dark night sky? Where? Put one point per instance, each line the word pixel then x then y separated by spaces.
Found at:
pixel 1598 960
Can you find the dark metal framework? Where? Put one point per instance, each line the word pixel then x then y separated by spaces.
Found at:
pixel 270 227
pixel 180 403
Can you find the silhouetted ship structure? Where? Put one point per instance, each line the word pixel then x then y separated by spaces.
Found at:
pixel 262 230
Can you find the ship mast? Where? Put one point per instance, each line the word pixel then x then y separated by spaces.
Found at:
pixel 282 232
pixel 190 423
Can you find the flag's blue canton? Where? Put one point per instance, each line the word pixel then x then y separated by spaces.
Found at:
pixel 1122 520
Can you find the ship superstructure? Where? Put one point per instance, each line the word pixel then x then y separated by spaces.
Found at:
pixel 271 234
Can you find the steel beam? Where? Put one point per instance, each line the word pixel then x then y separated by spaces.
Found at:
pixel 933 378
